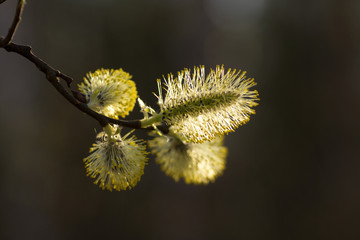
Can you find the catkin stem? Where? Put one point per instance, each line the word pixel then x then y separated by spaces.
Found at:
pixel 152 120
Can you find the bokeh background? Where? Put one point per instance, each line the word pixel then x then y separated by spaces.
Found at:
pixel 293 171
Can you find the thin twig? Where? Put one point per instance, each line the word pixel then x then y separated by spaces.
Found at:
pixel 67 79
pixel 14 24
pixel 53 76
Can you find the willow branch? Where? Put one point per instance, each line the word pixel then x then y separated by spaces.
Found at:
pixel 53 75
pixel 14 24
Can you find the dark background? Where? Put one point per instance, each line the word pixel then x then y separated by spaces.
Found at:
pixel 292 171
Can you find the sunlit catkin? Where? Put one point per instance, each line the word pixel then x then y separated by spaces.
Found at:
pixel 116 162
pixel 109 92
pixel 199 108
pixel 195 163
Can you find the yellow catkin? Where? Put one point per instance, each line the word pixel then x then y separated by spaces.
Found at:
pixel 109 92
pixel 195 163
pixel 200 108
pixel 116 162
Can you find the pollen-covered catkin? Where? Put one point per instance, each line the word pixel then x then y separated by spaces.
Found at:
pixel 199 108
pixel 116 162
pixel 109 92
pixel 195 163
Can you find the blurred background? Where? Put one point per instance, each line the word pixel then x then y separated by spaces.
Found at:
pixel 293 171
